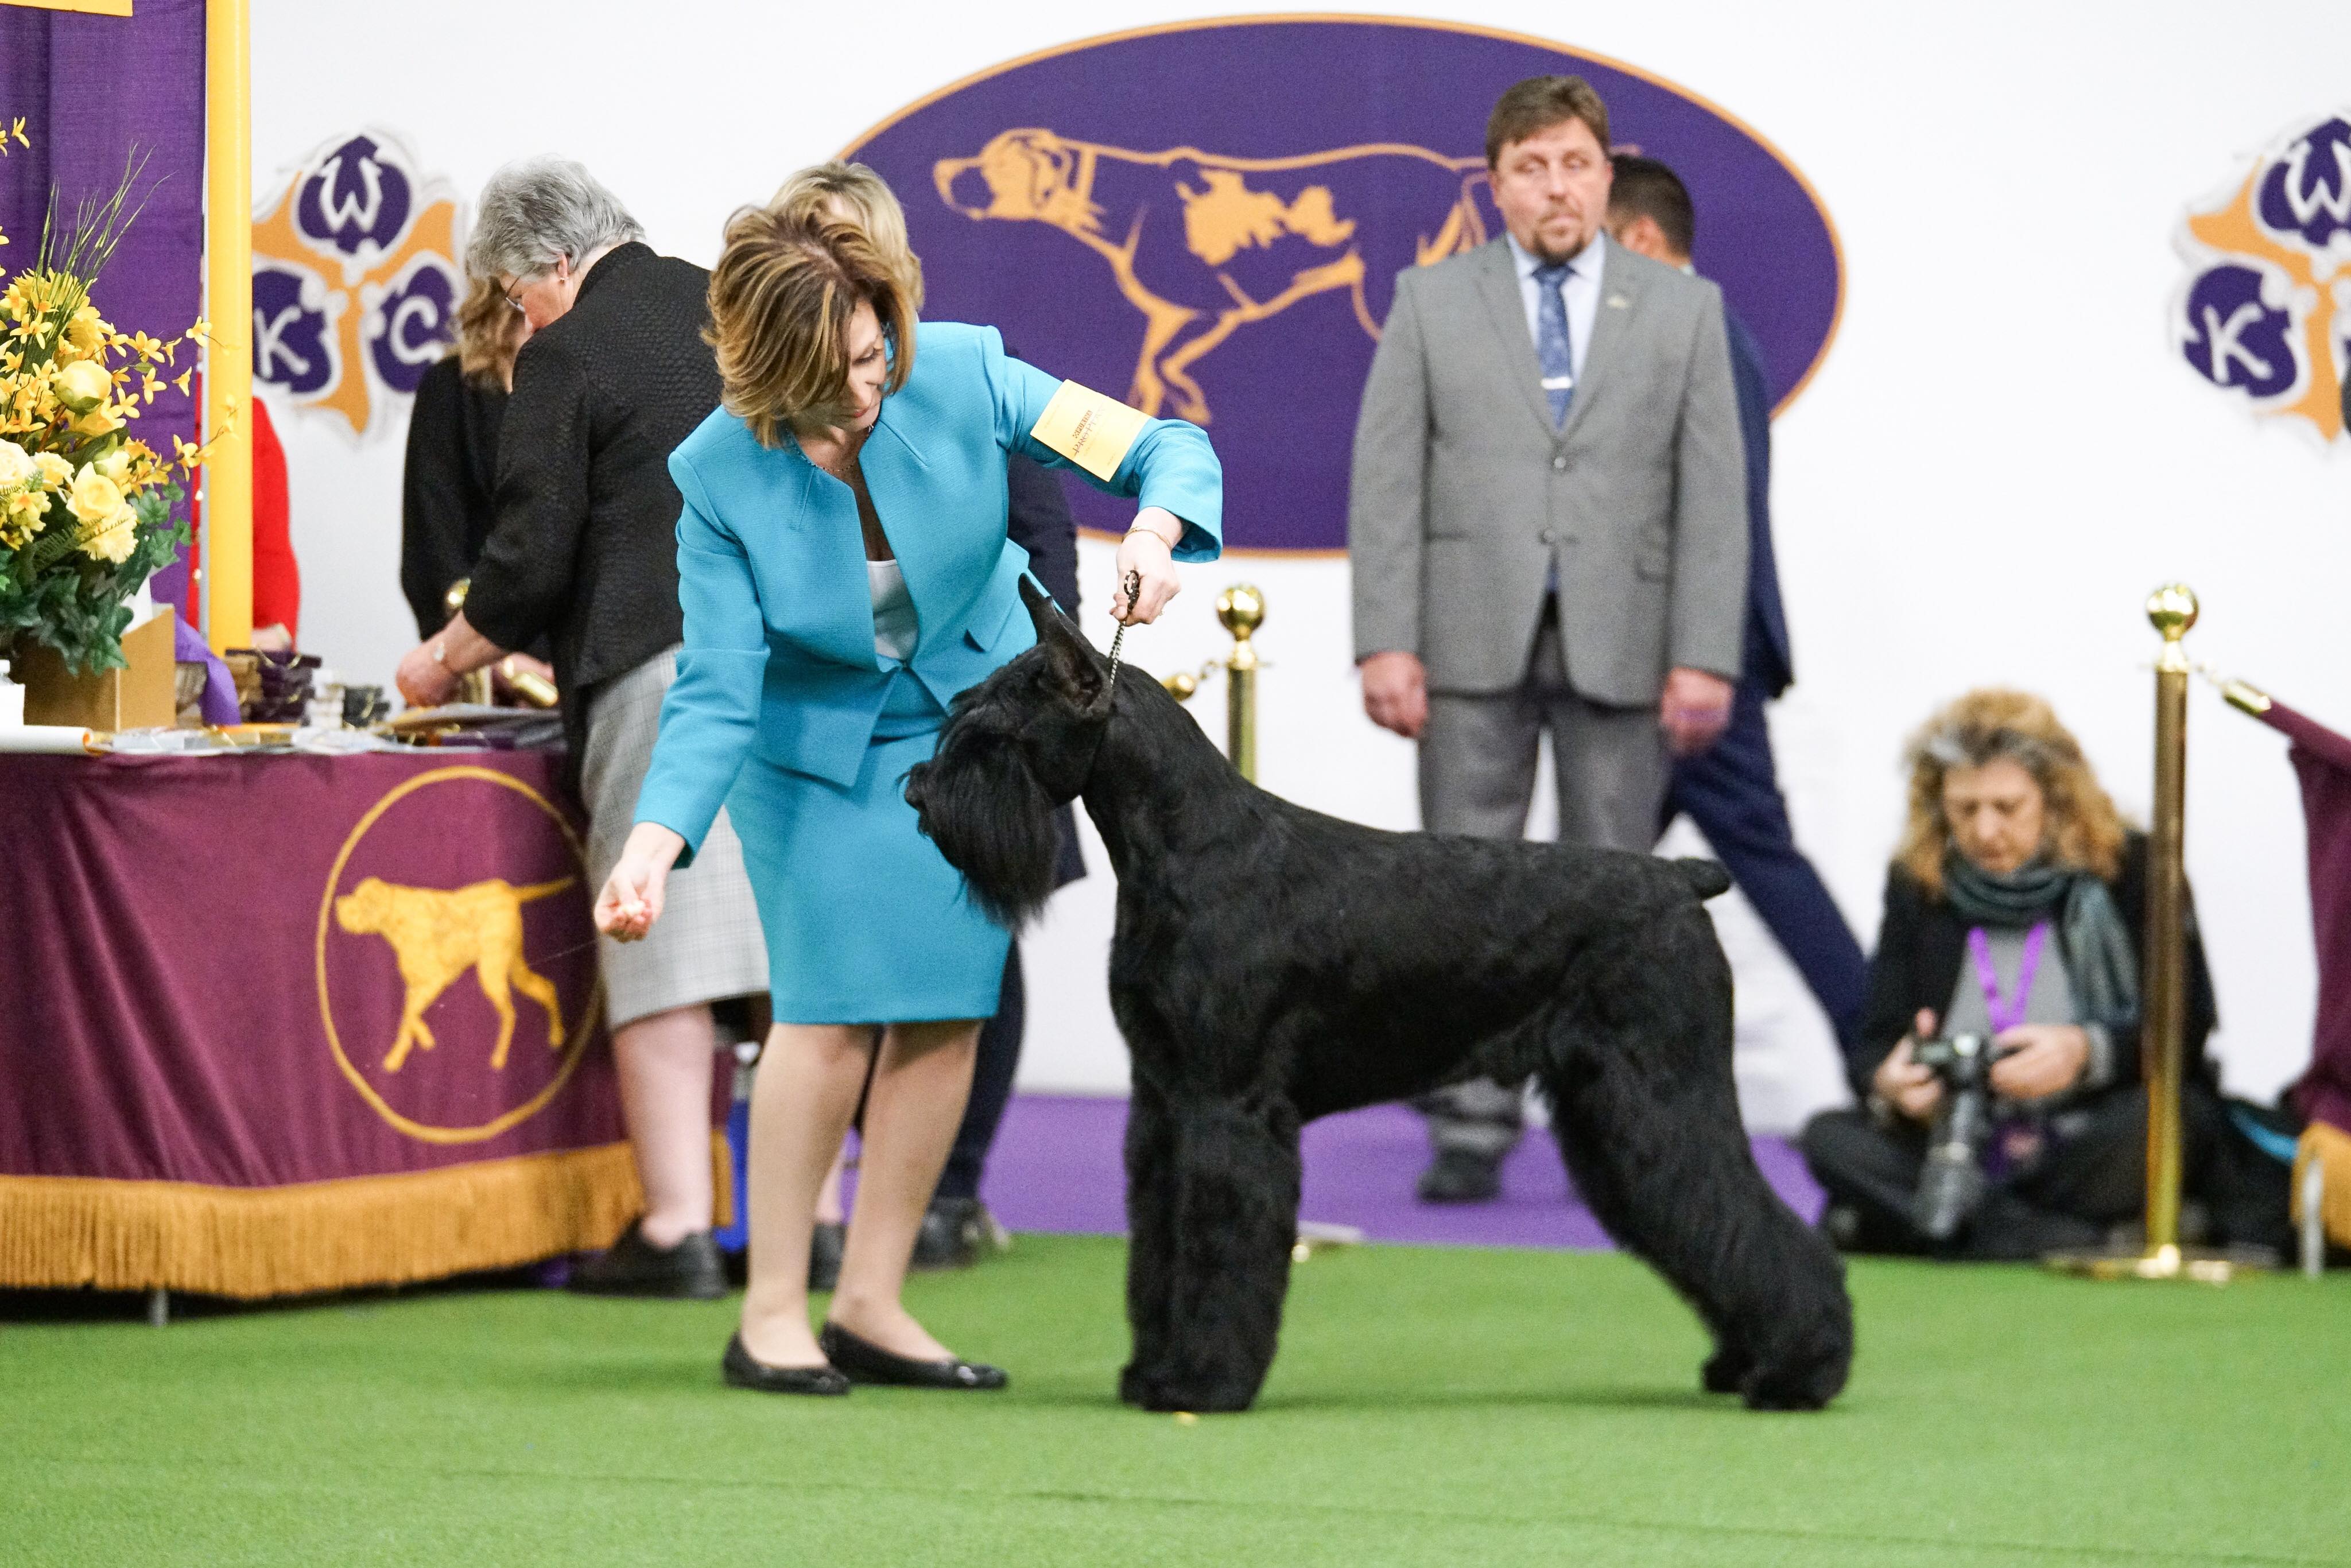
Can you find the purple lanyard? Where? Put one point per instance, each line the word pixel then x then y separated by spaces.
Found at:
pixel 2006 1013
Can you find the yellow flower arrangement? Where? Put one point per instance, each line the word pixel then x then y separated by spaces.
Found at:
pixel 85 510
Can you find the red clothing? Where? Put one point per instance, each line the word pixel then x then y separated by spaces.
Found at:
pixel 276 579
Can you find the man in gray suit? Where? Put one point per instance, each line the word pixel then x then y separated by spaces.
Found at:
pixel 1548 529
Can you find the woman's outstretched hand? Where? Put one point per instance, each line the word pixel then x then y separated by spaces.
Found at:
pixel 1148 553
pixel 631 899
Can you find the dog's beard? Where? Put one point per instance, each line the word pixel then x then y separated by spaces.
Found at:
pixel 994 822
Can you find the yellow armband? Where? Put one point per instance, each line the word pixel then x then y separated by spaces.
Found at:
pixel 1091 430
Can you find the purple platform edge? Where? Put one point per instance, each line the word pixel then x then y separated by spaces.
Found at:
pixel 1057 1167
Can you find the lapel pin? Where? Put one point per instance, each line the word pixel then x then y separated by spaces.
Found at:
pixel 1618 302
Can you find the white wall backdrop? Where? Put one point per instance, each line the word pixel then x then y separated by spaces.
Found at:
pixel 2001 453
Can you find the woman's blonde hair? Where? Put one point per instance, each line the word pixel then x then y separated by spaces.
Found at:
pixel 2084 831
pixel 825 193
pixel 490 332
pixel 782 300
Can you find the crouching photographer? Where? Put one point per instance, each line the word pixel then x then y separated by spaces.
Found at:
pixel 1999 1055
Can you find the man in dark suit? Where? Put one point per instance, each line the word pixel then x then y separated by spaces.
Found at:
pixel 1730 790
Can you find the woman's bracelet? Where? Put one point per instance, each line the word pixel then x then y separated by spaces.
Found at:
pixel 1149 532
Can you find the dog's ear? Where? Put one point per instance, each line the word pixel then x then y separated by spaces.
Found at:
pixel 1079 673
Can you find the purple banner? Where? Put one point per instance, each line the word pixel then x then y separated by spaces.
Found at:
pixel 91 91
pixel 1207 220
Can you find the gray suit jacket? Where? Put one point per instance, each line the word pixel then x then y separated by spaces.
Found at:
pixel 1463 495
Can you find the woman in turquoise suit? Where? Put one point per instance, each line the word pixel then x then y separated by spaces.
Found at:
pixel 844 572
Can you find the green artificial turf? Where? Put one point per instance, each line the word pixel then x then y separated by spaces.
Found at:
pixel 1429 1406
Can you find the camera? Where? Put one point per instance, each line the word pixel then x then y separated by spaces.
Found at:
pixel 1951 1182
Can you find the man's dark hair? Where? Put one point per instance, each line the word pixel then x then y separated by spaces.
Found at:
pixel 1645 188
pixel 1539 103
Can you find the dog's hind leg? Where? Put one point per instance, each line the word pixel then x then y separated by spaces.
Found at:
pixel 540 989
pixel 1648 1122
pixel 492 974
pixel 1214 1211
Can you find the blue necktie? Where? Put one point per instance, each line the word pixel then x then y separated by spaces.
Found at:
pixel 1552 348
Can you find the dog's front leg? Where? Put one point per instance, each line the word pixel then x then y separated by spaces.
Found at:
pixel 1211 1274
pixel 1151 1240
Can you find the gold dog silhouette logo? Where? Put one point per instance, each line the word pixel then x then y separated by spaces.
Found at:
pixel 433 1054
pixel 1210 217
pixel 1257 236
pixel 437 935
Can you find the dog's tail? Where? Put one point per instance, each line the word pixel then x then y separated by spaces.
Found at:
pixel 1706 878
pixel 550 889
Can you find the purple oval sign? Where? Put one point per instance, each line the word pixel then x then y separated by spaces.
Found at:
pixel 1206 219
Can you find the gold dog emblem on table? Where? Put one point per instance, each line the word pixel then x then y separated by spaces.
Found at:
pixel 438 933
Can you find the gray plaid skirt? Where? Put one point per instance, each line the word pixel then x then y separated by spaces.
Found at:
pixel 708 944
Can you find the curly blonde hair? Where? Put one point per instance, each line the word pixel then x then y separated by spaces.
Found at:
pixel 490 332
pixel 2084 831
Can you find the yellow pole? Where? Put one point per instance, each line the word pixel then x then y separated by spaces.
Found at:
pixel 225 558
pixel 2164 1016
pixel 2173 612
pixel 1241 610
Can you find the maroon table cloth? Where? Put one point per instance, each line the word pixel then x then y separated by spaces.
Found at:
pixel 2321 759
pixel 272 1024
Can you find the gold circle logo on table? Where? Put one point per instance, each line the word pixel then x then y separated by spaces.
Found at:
pixel 456 964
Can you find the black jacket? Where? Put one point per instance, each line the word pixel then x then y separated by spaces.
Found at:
pixel 1923 942
pixel 1038 520
pixel 448 487
pixel 584 550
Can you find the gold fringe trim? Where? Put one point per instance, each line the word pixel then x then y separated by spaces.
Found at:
pixel 251 1242
pixel 2331 1147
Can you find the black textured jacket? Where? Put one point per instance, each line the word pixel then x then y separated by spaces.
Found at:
pixel 448 487
pixel 584 550
pixel 1923 942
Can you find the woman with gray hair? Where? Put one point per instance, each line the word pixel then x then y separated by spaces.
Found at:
pixel 583 552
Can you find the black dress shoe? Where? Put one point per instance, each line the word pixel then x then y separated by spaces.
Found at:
pixel 1461 1175
pixel 825 1244
pixel 868 1363
pixel 741 1371
pixel 956 1233
pixel 691 1270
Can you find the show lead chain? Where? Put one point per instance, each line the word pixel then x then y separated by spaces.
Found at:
pixel 1134 591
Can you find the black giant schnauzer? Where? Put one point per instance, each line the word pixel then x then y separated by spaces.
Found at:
pixel 1272 964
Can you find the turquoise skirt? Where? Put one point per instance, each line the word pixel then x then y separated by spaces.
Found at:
pixel 865 921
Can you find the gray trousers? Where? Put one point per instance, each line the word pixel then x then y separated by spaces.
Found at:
pixel 1477 760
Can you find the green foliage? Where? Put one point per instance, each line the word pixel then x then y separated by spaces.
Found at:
pixel 54 595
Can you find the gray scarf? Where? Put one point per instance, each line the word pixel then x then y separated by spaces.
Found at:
pixel 2099 963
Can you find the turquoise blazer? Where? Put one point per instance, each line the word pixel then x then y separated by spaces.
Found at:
pixel 778 659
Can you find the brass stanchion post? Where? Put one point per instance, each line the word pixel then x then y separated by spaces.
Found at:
pixel 1241 610
pixel 2164 999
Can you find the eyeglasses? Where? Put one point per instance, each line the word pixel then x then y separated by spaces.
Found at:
pixel 508 294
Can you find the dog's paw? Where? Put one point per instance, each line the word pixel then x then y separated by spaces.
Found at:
pixel 1726 1372
pixel 1147 1392
pixel 1804 1385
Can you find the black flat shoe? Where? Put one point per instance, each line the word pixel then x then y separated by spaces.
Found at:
pixel 866 1362
pixel 690 1271
pixel 741 1371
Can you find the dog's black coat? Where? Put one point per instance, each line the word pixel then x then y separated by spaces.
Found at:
pixel 1272 964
